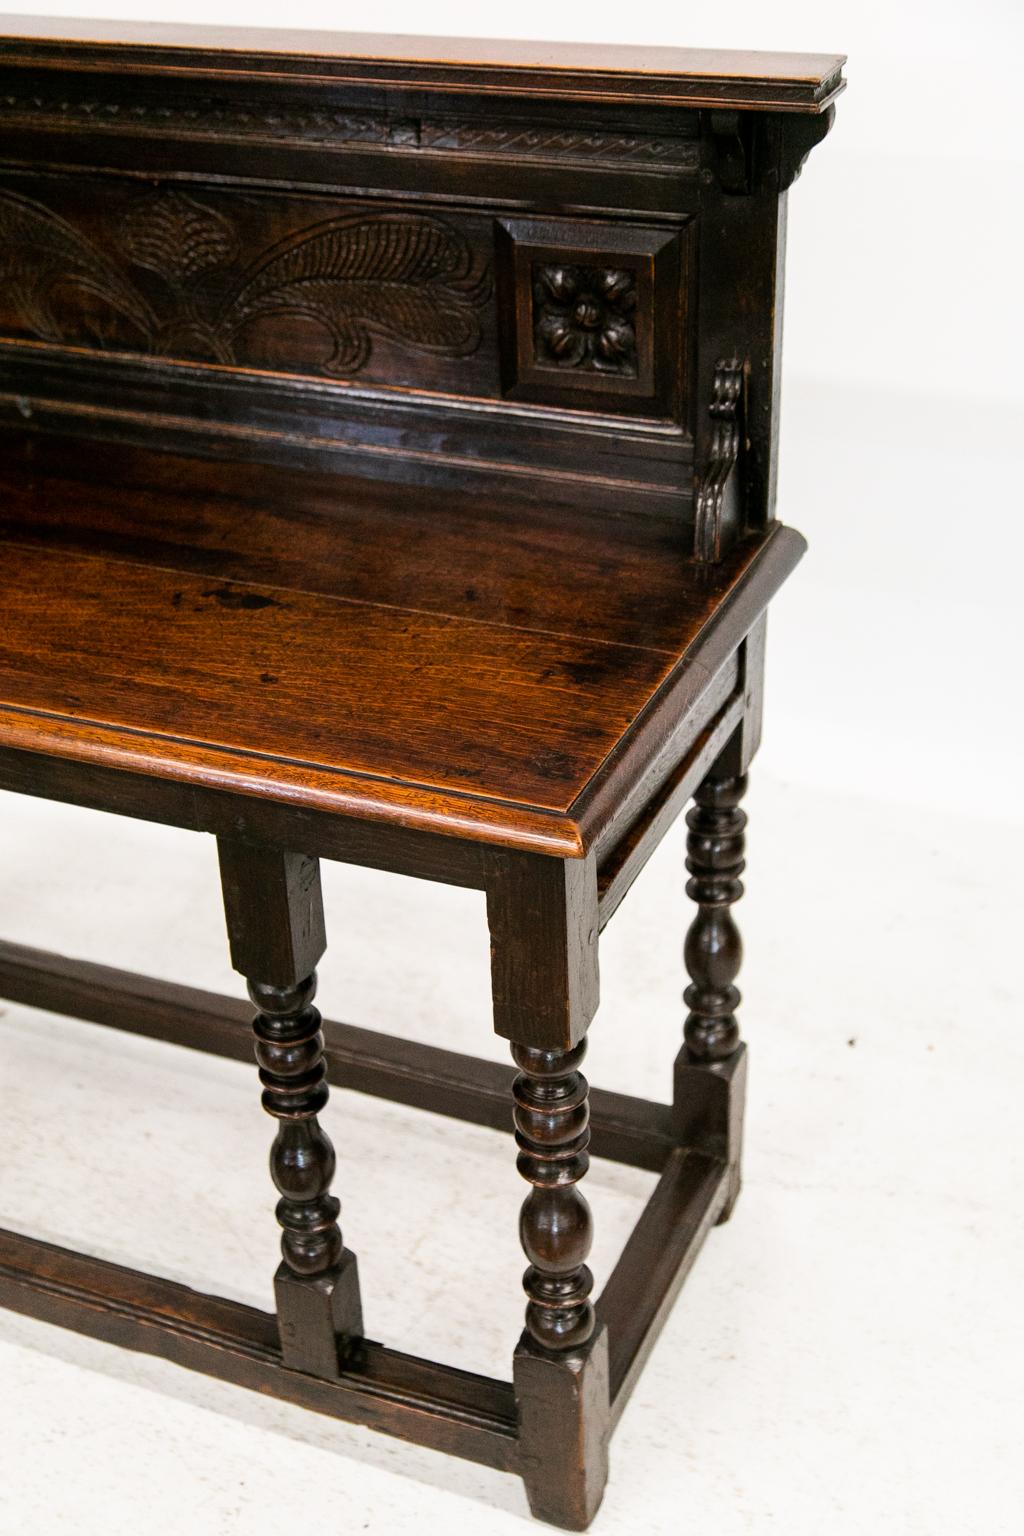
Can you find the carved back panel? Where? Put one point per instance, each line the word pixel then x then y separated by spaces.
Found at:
pixel 426 270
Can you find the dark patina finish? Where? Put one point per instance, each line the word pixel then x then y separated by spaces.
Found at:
pixel 387 463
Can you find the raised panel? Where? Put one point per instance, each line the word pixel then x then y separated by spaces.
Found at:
pixel 593 314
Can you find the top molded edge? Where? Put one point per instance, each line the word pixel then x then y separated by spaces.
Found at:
pixel 793 82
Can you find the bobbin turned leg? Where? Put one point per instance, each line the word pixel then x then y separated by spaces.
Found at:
pixel 276 929
pixel 543 918
pixel 711 1068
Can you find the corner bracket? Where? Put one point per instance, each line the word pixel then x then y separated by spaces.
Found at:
pixel 715 475
pixel 798 138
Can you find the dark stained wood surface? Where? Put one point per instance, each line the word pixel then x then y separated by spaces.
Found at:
pixel 366 689
pixel 436 551
pixel 320 641
pixel 353 256
pixel 610 72
pixel 531 295
pixel 467 1415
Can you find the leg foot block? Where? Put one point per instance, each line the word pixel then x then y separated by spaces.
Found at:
pixel 708 1110
pixel 564 1429
pixel 317 1315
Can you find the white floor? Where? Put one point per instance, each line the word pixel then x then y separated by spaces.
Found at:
pixel 846 1356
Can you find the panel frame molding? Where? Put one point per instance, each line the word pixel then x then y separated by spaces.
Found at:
pixel 660 257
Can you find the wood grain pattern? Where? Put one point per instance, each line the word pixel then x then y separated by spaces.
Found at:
pixel 445 552
pixel 487 710
pixel 510 707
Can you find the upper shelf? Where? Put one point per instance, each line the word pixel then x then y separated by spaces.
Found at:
pixel 691 77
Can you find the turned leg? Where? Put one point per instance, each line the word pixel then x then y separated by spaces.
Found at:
pixel 543 918
pixel 275 924
pixel 711 1067
pixel 552 1121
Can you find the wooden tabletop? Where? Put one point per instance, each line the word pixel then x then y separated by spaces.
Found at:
pixel 425 658
pixel 698 77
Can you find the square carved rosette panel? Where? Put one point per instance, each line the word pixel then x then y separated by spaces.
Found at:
pixel 592 315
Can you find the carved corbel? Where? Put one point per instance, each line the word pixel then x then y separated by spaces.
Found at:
pixel 741 151
pixel 715 477
pixel 799 136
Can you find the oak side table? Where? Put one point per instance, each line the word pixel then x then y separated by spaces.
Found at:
pixel 387 461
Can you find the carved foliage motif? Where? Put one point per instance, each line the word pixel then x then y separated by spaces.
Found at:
pixel 583 317
pixel 44 260
pixel 403 276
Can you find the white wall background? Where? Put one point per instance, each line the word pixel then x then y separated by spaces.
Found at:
pixel 847 1354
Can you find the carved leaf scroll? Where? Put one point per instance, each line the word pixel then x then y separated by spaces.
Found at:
pixel 171 234
pixel 401 275
pixel 43 259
